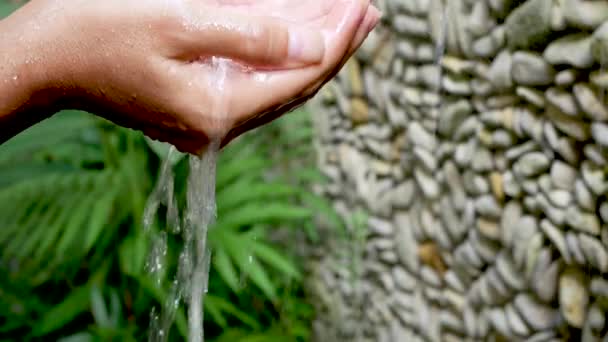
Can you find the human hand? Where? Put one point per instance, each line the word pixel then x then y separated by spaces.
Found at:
pixel 139 63
pixel 342 39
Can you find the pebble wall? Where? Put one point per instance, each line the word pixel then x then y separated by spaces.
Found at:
pixel 483 172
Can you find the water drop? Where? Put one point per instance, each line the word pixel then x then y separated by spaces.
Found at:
pixel 156 260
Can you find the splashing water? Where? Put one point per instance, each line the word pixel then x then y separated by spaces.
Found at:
pixel 162 193
pixel 191 281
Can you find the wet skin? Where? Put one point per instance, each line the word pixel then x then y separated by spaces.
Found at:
pixel 144 64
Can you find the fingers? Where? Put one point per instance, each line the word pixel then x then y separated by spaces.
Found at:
pixel 371 16
pixel 253 40
pixel 282 87
pixel 302 12
pixel 369 22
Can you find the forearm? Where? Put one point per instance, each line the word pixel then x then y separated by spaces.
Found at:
pixel 25 98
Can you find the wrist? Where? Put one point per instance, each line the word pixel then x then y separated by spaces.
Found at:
pixel 27 73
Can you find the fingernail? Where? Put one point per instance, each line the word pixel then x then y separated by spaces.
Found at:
pixel 306 46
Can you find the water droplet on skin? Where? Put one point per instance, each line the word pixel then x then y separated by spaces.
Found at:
pixel 15 78
pixel 261 77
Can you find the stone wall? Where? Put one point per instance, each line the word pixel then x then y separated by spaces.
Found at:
pixel 483 173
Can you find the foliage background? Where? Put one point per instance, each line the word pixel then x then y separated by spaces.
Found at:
pixel 73 249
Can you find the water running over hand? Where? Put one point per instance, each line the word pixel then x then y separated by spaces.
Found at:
pixel 191 280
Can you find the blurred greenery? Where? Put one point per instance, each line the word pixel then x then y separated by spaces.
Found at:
pixel 72 245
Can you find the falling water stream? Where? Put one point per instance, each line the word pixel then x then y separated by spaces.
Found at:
pixel 191 281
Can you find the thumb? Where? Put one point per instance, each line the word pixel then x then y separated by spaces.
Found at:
pixel 255 40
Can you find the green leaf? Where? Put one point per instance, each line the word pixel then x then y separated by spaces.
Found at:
pixel 99 217
pixel 232 170
pixel 76 303
pixel 237 246
pixel 300 136
pixel 78 337
pixel 256 213
pixel 312 175
pixel 37 235
pixel 311 231
pixel 322 206
pixel 27 170
pixel 223 265
pixel 60 127
pixel 222 305
pixel 7 8
pixel 98 308
pixel 132 254
pixel 53 231
pixel 242 192
pixel 275 259
pixel 216 313
pixel 36 215
pixel 74 226
pixel 115 309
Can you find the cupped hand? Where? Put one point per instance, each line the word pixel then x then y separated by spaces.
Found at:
pixel 146 64
pixel 344 25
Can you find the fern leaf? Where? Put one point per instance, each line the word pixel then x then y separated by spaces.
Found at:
pixel 73 305
pixel 237 247
pixel 39 233
pixel 322 206
pixel 223 265
pixel 62 126
pixel 230 170
pixel 26 171
pixel 132 254
pixel 275 259
pixel 242 192
pixel 223 305
pixel 256 213
pixel 74 227
pixel 215 312
pixel 12 217
pixel 54 229
pixel 24 232
pixel 312 175
pixel 99 216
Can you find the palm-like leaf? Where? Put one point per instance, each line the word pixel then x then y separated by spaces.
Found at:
pixel 72 190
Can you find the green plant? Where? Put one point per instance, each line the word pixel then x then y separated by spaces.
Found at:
pixel 72 247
